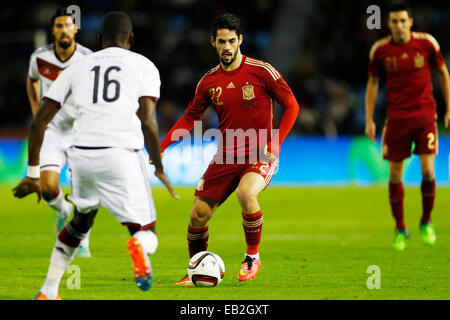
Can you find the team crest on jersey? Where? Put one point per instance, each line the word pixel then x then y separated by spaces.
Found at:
pixel 419 60
pixel 247 92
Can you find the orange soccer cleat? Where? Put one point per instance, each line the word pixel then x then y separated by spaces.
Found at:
pixel 250 268
pixel 143 274
pixel 185 281
pixel 43 296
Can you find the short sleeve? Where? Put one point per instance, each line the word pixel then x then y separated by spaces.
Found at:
pixel 61 87
pixel 150 82
pixel 33 72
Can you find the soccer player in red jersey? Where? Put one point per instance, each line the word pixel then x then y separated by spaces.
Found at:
pixel 242 90
pixel 406 58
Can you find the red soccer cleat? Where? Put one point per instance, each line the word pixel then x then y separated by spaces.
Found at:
pixel 185 281
pixel 250 268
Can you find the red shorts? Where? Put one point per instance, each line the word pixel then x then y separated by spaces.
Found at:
pixel 220 180
pixel 399 135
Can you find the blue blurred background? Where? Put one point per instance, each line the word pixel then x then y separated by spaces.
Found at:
pixel 321 48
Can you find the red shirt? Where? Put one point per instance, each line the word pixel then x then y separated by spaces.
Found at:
pixel 408 76
pixel 243 99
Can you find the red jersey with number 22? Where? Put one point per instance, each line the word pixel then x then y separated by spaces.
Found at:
pixel 243 99
pixel 408 76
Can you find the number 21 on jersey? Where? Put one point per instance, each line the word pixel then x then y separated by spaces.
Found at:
pixel 106 84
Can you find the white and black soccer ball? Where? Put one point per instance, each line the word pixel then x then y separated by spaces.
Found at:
pixel 206 269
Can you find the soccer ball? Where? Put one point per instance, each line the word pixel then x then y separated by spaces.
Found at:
pixel 206 269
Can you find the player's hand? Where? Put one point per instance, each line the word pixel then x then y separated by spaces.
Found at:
pixel 447 121
pixel 371 130
pixel 151 161
pixel 159 173
pixel 26 186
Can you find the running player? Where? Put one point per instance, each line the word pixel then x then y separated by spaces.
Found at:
pixel 406 58
pixel 242 90
pixel 45 65
pixel 115 92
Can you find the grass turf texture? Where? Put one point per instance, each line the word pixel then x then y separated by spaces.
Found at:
pixel 317 243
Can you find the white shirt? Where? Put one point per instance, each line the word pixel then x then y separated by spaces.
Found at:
pixel 105 88
pixel 46 66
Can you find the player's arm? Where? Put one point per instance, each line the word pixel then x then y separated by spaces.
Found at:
pixel 290 114
pixel 37 128
pixel 445 85
pixel 280 90
pixel 147 115
pixel 371 99
pixel 33 92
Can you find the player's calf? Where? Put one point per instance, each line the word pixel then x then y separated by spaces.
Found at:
pixel 141 245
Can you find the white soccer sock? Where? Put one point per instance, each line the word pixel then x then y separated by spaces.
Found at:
pixel 148 241
pixel 61 258
pixel 60 205
pixel 85 241
pixel 254 256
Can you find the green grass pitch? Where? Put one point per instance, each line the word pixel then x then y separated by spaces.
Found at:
pixel 317 243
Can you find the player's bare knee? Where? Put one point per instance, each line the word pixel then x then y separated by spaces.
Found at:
pixel 428 174
pixel 200 216
pixel 246 197
pixel 48 188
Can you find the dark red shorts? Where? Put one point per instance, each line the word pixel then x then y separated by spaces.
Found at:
pixel 220 180
pixel 399 135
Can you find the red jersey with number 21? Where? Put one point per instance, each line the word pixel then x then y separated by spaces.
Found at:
pixel 408 76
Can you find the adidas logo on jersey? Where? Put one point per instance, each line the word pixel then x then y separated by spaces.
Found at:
pixel 230 86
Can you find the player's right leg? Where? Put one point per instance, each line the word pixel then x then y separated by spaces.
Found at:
pixel 64 251
pixel 396 196
pixel 396 145
pixel 198 229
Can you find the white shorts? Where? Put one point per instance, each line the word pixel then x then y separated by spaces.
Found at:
pixel 116 179
pixel 53 155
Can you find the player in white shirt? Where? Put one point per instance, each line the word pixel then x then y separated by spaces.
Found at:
pixel 46 63
pixel 115 92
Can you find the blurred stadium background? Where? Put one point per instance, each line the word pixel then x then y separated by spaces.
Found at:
pixel 321 47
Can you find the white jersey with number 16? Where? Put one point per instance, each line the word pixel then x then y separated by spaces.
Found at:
pixel 105 88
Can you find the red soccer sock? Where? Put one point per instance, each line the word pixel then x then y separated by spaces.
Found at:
pixel 68 239
pixel 396 194
pixel 428 189
pixel 197 239
pixel 252 224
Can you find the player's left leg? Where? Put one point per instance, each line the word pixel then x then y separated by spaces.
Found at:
pixel 250 186
pixel 428 189
pixel 64 251
pixel 54 198
pixel 141 245
pixel 53 158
